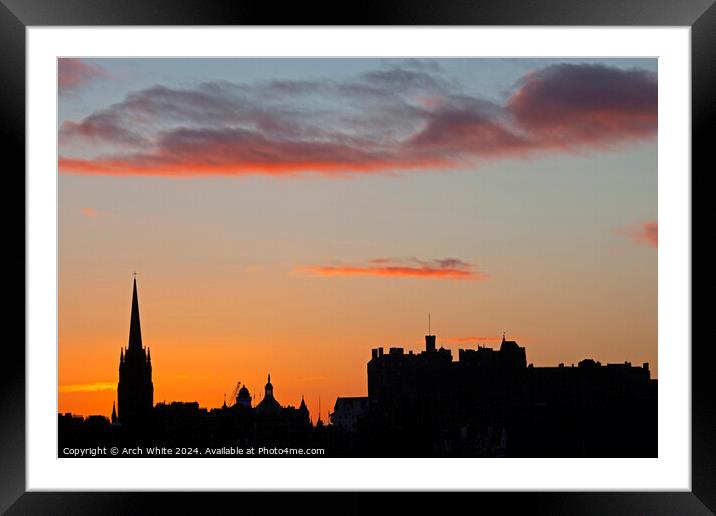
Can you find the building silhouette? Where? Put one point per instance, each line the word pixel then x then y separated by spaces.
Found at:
pixel 487 403
pixel 348 412
pixel 135 390
pixel 268 406
pixel 492 403
pixel 243 398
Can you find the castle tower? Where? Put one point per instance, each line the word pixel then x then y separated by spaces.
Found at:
pixel 430 343
pixel 135 391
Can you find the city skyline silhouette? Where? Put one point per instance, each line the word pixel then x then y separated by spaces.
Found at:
pixel 488 403
pixel 135 344
pixel 286 216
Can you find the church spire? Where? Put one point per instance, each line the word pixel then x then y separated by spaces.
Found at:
pixel 135 391
pixel 135 330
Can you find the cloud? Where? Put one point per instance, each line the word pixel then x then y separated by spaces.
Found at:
pixel 93 213
pixel 89 387
pixel 643 234
pixel 73 74
pixel 448 268
pixel 568 104
pixel 397 117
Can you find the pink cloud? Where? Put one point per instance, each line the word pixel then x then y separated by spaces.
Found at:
pixel 448 268
pixel 570 104
pixel 400 118
pixel 643 234
pixel 73 73
pixel 93 213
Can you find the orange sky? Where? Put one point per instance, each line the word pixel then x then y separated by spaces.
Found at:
pixel 292 226
pixel 209 330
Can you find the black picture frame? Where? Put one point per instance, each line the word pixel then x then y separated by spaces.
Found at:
pixel 17 15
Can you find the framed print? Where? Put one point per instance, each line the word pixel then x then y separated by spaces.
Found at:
pixel 429 251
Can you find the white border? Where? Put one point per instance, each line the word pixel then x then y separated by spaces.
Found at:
pixel 670 471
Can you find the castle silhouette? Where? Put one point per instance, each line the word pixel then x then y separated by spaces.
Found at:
pixel 488 403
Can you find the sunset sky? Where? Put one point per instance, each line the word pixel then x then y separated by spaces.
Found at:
pixel 285 216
